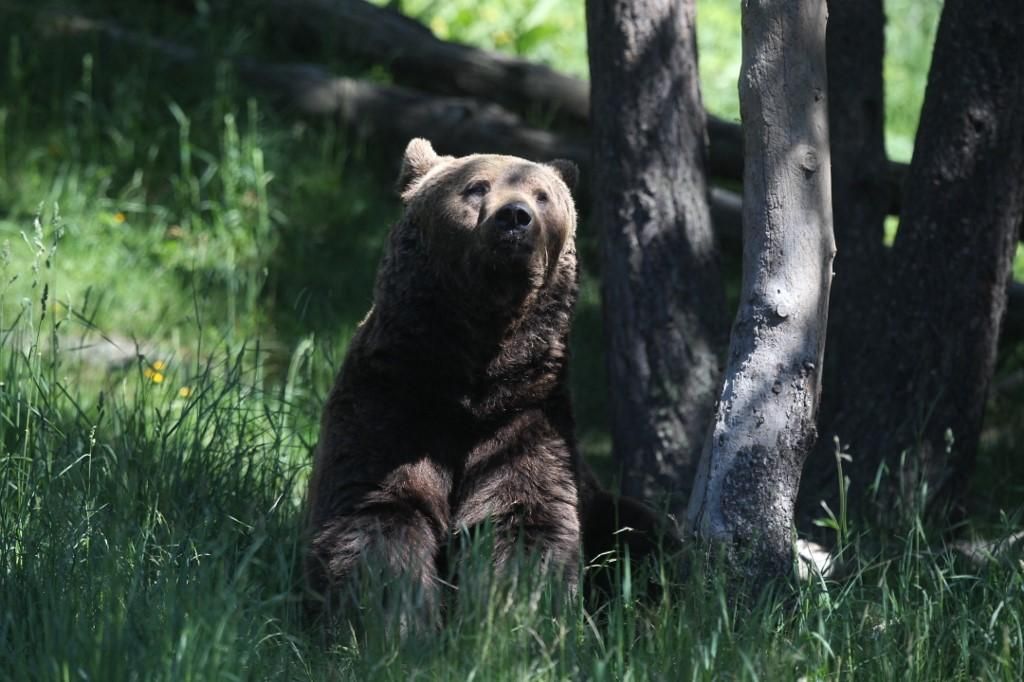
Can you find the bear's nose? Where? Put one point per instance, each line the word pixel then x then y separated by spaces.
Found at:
pixel 514 216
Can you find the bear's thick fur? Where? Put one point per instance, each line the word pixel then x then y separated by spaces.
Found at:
pixel 452 407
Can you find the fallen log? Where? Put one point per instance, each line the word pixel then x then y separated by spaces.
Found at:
pixel 417 57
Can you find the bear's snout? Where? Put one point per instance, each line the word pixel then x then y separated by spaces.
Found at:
pixel 512 233
pixel 513 217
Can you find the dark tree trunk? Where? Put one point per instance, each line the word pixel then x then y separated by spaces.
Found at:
pixel 664 312
pixel 934 333
pixel 764 423
pixel 861 194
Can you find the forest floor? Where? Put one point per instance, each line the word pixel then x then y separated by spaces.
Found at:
pixel 182 267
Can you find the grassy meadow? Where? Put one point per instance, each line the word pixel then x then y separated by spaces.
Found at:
pixel 181 267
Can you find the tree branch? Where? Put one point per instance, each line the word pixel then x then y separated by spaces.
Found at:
pixel 412 52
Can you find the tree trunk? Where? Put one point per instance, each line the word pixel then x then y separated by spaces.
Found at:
pixel 764 423
pixel 934 333
pixel 664 310
pixel 855 46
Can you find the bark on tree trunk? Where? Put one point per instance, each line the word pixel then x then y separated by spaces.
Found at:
pixel 764 423
pixel 664 309
pixel 855 46
pixel 934 335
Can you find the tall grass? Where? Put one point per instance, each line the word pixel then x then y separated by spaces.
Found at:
pixel 146 534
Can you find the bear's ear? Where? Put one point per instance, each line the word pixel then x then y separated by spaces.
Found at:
pixel 419 158
pixel 568 171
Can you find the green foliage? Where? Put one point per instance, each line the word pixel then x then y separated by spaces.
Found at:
pixel 181 270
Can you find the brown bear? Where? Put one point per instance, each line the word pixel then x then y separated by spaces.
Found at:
pixel 452 407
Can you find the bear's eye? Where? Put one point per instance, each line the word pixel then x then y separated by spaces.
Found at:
pixel 478 188
pixel 541 196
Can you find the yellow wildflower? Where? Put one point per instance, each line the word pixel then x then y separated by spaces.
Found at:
pixel 184 392
pixel 119 217
pixel 153 372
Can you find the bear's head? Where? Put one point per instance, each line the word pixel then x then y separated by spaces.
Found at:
pixel 495 225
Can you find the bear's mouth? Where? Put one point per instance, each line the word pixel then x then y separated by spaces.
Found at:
pixel 515 241
pixel 513 266
pixel 512 246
